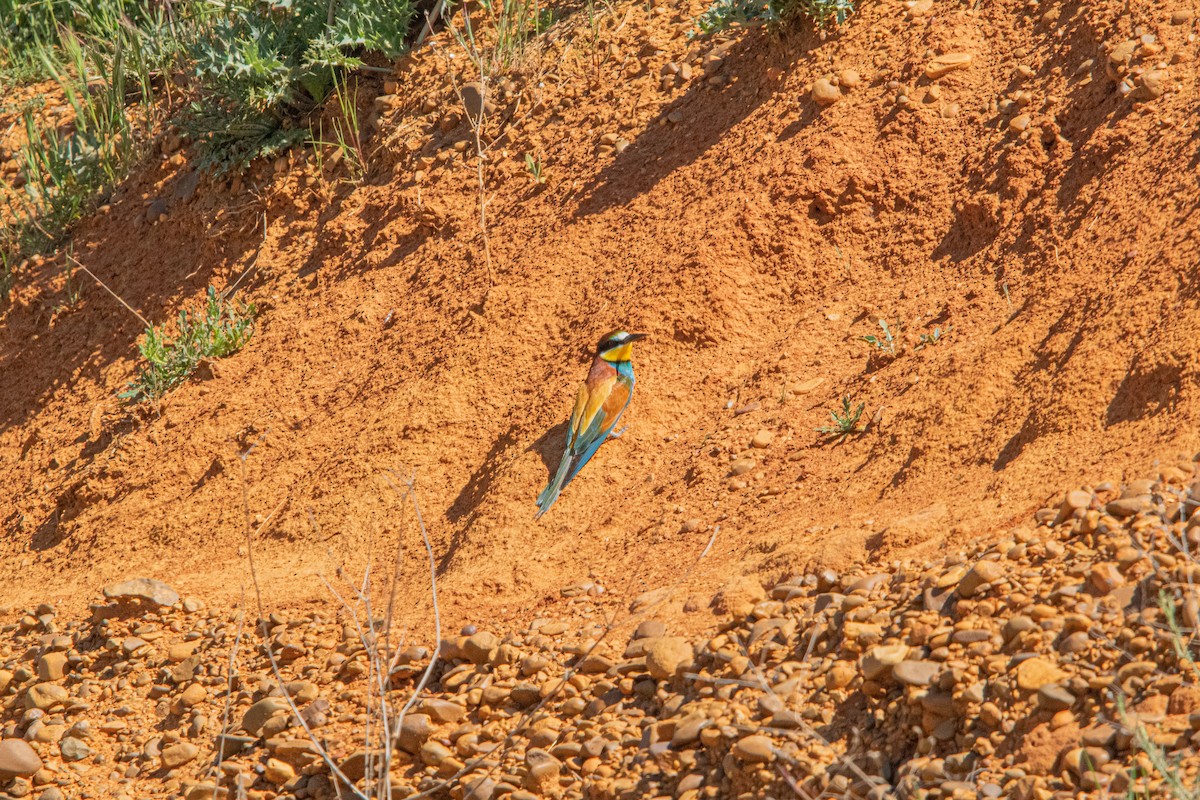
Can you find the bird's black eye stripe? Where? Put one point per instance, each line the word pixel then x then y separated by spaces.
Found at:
pixel 609 342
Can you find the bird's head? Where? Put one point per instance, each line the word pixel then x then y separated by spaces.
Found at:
pixel 617 346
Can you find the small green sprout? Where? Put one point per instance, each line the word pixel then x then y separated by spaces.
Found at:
pixel 926 339
pixel 536 169
pixel 845 423
pixel 886 343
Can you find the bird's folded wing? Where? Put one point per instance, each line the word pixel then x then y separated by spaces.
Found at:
pixel 602 406
pixel 577 416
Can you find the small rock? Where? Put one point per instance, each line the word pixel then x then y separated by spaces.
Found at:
pixel 1125 506
pixel 1155 82
pixel 257 715
pixel 229 745
pixel 869 583
pixel 301 691
pixel 415 729
pixel 1054 697
pixel 755 749
pixel 825 93
pixel 478 648
pixel 18 759
pixel 688 729
pixel 943 65
pixel 1077 499
pixel 650 629
pixel 156 210
pixel 1077 642
pixel 762 439
pixel 45 696
pixel 849 79
pixel 667 656
pixel 839 675
pixel 1105 577
pixel 73 749
pixel 742 465
pixel 1123 52
pixel 179 754
pixel 206 791
pixel 1181 16
pixel 475 101
pixel 543 768
pixel 738 597
pixel 142 589
pixel 278 772
pixel 480 789
pixel 1034 673
pixel 193 694
pixel 183 192
pixel 916 673
pixel 52 666
pixel 442 710
pixel 984 572
pixel 880 659
pixel 1020 122
pixel 434 752
pixel 178 653
pixel 133 646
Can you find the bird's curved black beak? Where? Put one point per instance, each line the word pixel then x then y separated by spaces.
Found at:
pixel 633 337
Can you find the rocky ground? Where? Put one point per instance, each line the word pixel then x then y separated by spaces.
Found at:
pixel 1052 664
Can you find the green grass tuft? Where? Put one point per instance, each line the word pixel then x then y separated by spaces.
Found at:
pixel 221 329
pixel 107 82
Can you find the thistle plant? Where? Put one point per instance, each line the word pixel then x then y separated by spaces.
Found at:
pixel 261 67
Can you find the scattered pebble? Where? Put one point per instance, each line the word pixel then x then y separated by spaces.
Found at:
pixel 17 758
pixel 825 93
pixel 945 64
pixel 147 590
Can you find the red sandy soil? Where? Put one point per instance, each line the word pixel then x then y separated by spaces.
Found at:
pixel 754 234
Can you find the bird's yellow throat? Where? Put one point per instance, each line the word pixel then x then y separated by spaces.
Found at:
pixel 618 354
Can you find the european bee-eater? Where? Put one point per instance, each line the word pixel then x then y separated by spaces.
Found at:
pixel 602 399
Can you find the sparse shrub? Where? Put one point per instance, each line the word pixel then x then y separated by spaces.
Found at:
pixel 221 329
pixel 261 68
pixel 845 423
